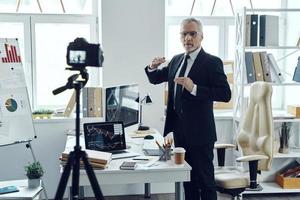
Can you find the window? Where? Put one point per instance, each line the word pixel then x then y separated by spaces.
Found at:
pixel 47 6
pixel 222 8
pixel 43 40
pixel 51 41
pixel 217 32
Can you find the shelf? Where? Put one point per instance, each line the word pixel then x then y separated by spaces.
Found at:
pixel 291 154
pixel 286 84
pixel 279 119
pixel 271 187
pixel 272 47
pixel 276 120
pixel 273 10
pixel 242 88
pixel 274 84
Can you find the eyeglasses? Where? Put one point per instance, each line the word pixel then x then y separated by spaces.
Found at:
pixel 192 34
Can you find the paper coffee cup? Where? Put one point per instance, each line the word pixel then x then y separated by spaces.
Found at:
pixel 179 153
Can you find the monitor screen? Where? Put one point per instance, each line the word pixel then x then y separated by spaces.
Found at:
pixel 121 104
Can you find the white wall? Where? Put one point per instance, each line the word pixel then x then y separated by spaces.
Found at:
pixel 132 34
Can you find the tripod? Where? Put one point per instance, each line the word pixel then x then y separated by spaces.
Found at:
pixel 77 154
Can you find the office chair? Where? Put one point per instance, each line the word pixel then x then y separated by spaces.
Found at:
pixel 254 140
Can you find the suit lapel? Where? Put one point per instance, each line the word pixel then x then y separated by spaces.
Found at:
pixel 177 65
pixel 172 76
pixel 198 62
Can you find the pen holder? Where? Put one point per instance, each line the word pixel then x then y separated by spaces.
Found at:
pixel 166 154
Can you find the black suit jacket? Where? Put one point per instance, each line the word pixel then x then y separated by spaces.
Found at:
pixel 198 119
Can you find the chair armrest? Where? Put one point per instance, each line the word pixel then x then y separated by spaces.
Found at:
pixel 251 158
pixel 253 166
pixel 221 152
pixel 224 146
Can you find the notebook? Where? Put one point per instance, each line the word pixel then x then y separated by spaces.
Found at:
pixel 8 189
pixel 107 137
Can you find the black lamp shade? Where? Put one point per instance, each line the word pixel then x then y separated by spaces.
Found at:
pixel 148 99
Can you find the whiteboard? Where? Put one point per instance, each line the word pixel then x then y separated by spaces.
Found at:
pixel 15 112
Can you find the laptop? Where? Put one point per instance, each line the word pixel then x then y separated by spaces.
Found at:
pixel 107 137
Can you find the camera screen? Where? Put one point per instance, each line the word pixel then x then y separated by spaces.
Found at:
pixel 77 56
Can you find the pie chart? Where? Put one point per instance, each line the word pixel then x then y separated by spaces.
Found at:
pixel 11 105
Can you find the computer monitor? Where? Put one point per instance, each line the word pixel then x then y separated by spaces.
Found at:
pixel 121 104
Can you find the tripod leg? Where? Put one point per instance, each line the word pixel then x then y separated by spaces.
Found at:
pixel 64 178
pixel 92 177
pixel 75 177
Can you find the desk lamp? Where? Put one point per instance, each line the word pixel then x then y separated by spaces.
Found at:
pixel 145 100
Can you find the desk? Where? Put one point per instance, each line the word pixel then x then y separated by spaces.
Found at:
pixel 160 172
pixel 25 193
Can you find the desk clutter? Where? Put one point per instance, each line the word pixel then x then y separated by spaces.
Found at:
pixel 98 159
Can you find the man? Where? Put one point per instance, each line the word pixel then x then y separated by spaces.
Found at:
pixel 195 79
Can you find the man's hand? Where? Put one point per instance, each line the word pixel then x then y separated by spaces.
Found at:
pixel 186 82
pixel 168 139
pixel 156 62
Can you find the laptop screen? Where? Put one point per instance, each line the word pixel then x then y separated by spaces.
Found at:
pixel 104 136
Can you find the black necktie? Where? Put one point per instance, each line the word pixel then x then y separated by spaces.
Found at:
pixel 178 93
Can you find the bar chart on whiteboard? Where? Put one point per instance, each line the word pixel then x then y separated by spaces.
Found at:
pixel 15 111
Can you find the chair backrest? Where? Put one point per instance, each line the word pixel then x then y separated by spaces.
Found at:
pixel 256 132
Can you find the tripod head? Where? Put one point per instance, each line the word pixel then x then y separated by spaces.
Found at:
pixel 74 81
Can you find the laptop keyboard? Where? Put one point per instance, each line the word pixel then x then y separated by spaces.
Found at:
pixel 118 152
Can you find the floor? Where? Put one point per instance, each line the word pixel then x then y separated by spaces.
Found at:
pixel 171 197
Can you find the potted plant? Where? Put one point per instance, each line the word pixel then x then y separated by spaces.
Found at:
pixel 42 114
pixel 34 171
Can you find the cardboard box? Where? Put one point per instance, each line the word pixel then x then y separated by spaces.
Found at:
pixel 294 110
pixel 288 183
pixel 228 70
pixel 223 105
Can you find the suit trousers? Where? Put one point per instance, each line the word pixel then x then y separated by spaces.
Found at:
pixel 200 158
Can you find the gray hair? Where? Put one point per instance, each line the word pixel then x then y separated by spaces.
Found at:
pixel 198 22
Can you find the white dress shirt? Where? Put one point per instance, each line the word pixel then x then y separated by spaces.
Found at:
pixel 190 63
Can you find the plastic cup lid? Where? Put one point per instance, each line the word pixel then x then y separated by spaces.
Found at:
pixel 179 150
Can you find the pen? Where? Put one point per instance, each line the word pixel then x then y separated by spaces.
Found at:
pixel 160 148
pixel 140 159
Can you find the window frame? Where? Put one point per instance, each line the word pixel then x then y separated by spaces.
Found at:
pixel 29 21
pixel 62 19
pixel 222 22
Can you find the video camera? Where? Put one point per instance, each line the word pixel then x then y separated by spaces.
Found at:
pixel 80 54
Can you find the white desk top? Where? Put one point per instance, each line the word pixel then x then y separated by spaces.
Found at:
pixel 152 171
pixel 24 193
